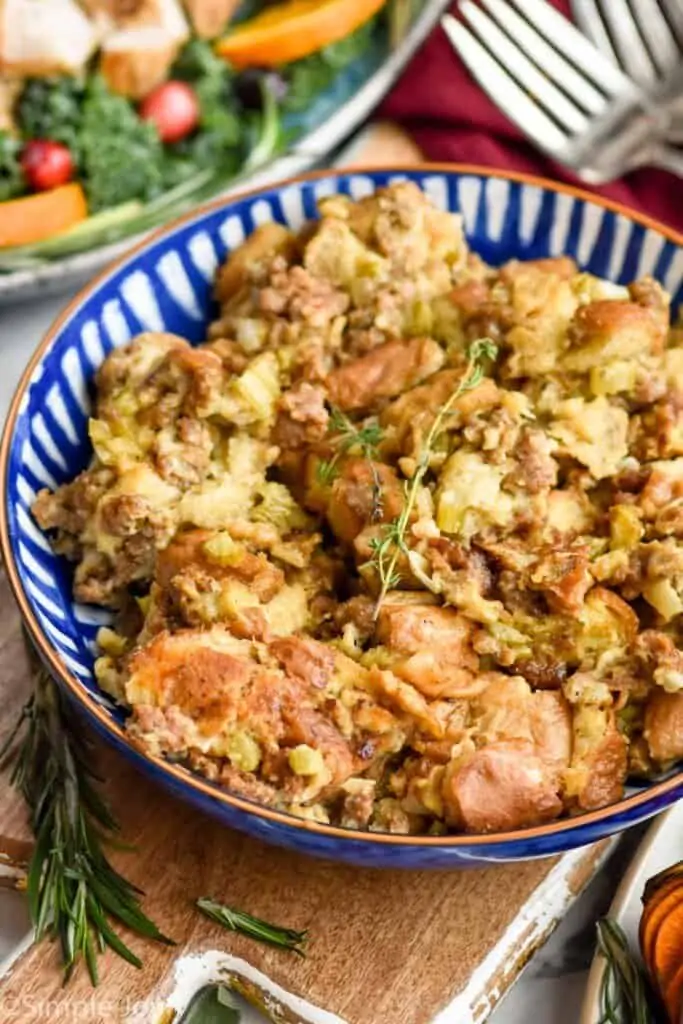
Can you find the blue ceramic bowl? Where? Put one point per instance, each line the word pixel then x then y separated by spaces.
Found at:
pixel 165 284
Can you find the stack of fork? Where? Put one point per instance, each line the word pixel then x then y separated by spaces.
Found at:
pixel 601 106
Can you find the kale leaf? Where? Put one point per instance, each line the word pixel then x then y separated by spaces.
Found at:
pixel 11 175
pixel 51 108
pixel 219 120
pixel 121 156
pixel 198 60
pixel 219 142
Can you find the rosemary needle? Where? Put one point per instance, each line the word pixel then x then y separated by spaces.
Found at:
pixel 388 548
pixel 73 891
pixel 254 927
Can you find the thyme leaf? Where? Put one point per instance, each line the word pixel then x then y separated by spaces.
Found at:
pixel 388 548
pixel 347 438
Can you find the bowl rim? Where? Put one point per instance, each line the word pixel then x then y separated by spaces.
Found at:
pixel 176 773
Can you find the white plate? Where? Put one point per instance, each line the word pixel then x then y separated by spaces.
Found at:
pixel 309 152
pixel 661 847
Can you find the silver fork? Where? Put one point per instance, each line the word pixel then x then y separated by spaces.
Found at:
pixel 573 102
pixel 645 37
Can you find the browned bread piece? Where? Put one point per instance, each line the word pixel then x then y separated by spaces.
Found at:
pixel 140 40
pixel 132 67
pixel 209 17
pixel 44 38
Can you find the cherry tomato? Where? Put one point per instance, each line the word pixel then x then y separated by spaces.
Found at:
pixel 46 164
pixel 174 109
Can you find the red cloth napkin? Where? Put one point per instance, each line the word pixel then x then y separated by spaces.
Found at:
pixel 452 120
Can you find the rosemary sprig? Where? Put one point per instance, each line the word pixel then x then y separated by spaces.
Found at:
pixel 391 544
pixel 237 921
pixel 624 992
pixel 74 893
pixel 347 437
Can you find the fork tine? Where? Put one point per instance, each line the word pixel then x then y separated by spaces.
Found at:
pixel 588 17
pixel 655 29
pixel 547 57
pixel 503 89
pixel 516 63
pixel 658 35
pixel 579 50
pixel 628 42
pixel 674 14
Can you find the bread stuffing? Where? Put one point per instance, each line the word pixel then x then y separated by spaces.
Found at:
pixel 399 547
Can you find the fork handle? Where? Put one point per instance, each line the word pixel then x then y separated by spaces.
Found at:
pixel 669 158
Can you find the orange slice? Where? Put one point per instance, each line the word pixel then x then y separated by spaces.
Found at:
pixel 295 29
pixel 34 218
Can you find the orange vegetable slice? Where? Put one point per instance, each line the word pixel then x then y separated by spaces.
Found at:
pixel 34 218
pixel 665 898
pixel 295 29
pixel 673 995
pixel 668 947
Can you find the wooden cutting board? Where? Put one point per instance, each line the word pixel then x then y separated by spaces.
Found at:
pixel 386 947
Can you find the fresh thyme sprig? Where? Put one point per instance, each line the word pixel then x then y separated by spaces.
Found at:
pixel 238 921
pixel 391 544
pixel 74 893
pixel 624 992
pixel 347 437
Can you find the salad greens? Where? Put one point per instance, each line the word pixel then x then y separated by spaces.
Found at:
pixel 51 108
pixel 132 180
pixel 119 155
pixel 134 216
pixel 220 140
